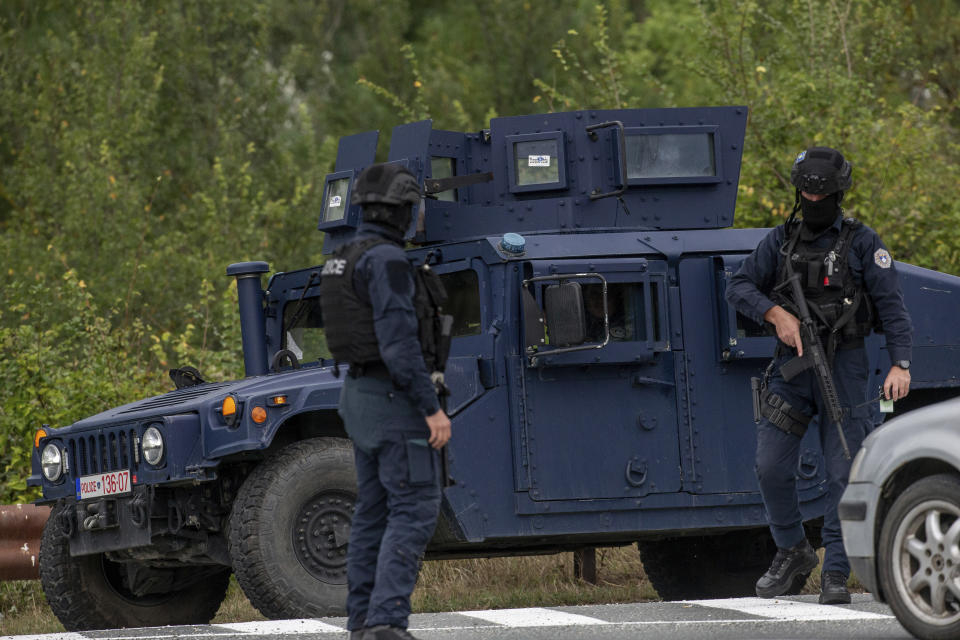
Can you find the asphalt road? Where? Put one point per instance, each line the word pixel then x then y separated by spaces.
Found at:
pixel 735 619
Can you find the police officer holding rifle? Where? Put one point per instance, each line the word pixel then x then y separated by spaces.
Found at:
pixel 383 316
pixel 823 282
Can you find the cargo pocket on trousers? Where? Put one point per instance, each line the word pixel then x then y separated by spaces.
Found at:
pixel 420 469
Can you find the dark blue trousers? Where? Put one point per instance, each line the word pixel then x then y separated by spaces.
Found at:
pixel 778 452
pixel 398 500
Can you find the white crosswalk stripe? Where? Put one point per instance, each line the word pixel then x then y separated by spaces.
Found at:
pixel 274 627
pixel 787 609
pixel 532 617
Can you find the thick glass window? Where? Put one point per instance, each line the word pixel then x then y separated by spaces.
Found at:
pixel 463 301
pixel 670 155
pixel 444 168
pixel 304 330
pixel 536 162
pixel 626 310
pixel 619 310
pixel 335 206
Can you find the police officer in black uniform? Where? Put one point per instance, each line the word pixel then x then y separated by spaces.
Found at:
pixel 850 285
pixel 380 316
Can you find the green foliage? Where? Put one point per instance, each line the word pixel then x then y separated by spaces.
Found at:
pixel 146 146
pixel 861 76
pixel 408 112
pixel 839 81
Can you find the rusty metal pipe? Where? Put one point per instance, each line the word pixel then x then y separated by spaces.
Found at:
pixel 21 526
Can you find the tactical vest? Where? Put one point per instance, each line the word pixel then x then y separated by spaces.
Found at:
pixel 348 320
pixel 837 303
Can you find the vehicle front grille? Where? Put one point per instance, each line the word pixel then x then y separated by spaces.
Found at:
pixel 111 450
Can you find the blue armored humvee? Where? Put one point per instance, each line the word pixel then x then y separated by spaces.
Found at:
pixel 600 386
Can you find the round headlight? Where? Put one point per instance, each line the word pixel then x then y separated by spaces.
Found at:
pixel 51 461
pixel 152 445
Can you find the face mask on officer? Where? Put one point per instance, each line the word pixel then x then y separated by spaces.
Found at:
pixel 819 214
pixel 821 176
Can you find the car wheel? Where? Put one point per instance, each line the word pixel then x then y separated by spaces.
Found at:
pixel 919 558
pixel 289 529
pixel 93 592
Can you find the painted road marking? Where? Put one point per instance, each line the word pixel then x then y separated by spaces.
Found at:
pixel 787 610
pixel 52 636
pixel 274 627
pixel 691 612
pixel 532 617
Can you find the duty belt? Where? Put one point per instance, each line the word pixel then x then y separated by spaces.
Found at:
pixel 374 369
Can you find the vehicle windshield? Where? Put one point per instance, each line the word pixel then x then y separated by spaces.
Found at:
pixel 304 334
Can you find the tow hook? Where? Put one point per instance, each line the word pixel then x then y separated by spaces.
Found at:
pixel 103 515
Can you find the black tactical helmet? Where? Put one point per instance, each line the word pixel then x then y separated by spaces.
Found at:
pixel 389 183
pixel 821 170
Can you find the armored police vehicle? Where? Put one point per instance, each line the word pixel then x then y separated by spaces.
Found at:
pixel 600 386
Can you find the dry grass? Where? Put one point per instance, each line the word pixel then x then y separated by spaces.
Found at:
pixel 24 609
pixel 444 585
pixel 532 581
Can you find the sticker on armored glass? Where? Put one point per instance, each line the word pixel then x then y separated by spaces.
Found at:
pixel 336 201
pixel 538 161
pixel 882 259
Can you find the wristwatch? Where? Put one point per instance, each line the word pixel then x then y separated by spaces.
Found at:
pixel 903 364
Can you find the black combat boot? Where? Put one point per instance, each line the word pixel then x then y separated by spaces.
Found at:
pixel 786 566
pixel 833 588
pixel 385 632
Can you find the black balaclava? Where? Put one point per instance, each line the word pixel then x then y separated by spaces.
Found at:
pixel 819 215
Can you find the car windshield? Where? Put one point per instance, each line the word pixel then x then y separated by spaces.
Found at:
pixel 304 334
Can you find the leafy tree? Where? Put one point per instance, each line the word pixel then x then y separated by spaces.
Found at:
pixel 855 75
pixel 145 146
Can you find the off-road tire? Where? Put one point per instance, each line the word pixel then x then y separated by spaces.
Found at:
pixel 906 522
pixel 708 567
pixel 85 593
pixel 287 556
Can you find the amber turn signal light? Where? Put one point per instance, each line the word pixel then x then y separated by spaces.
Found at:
pixel 41 433
pixel 258 415
pixel 229 410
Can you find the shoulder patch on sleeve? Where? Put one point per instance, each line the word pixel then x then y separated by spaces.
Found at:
pixel 399 277
pixel 882 258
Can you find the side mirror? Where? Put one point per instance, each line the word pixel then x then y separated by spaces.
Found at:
pixel 566 323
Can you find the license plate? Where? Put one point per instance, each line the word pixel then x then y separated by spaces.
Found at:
pixel 103 484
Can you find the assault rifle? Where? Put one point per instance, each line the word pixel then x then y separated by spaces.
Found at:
pixel 814 356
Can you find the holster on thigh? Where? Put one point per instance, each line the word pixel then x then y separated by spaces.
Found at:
pixel 782 414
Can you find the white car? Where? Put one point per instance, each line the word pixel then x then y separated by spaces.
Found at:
pixel 901 518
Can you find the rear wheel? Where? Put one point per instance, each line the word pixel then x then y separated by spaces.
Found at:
pixel 93 592
pixel 289 530
pixel 707 567
pixel 919 558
